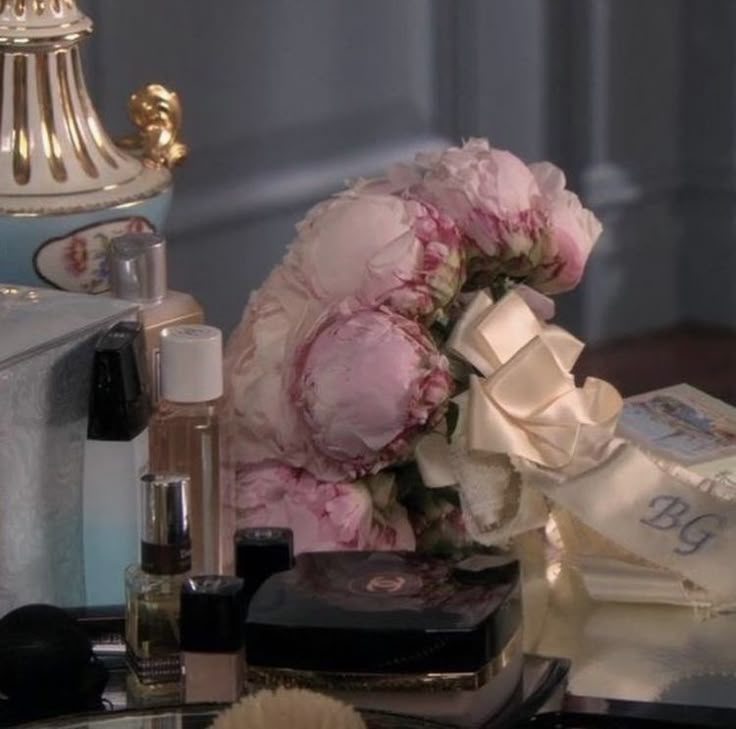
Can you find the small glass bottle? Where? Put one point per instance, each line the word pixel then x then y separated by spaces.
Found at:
pixel 153 590
pixel 212 629
pixel 138 270
pixel 184 432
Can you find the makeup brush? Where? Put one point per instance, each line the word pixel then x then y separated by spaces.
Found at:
pixel 289 709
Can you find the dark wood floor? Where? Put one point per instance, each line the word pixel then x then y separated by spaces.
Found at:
pixel 701 356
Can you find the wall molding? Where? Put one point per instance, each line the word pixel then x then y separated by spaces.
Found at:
pixel 607 185
pixel 271 193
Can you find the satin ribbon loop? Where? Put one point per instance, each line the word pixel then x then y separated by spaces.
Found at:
pixel 462 341
pixel 565 347
pixel 488 335
pixel 527 405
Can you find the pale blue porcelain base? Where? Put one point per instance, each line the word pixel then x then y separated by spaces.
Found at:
pixel 68 251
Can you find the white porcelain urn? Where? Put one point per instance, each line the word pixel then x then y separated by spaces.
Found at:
pixel 65 187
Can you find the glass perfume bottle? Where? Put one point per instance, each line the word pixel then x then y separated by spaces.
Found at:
pixel 138 273
pixel 153 590
pixel 184 432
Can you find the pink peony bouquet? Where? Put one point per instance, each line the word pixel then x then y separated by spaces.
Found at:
pixel 344 368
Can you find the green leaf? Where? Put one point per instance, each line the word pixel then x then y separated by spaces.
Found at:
pixel 451 418
pixel 500 286
pixel 408 480
pixel 440 331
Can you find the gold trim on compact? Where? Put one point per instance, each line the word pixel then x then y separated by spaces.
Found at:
pixel 346 681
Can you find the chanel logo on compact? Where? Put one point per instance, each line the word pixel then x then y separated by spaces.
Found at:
pixel 392 583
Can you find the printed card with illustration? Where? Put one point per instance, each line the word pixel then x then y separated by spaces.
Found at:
pixel 681 423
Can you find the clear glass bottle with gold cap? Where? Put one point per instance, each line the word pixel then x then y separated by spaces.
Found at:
pixel 184 431
pixel 153 589
pixel 138 270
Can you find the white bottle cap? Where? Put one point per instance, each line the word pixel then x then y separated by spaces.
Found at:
pixel 191 363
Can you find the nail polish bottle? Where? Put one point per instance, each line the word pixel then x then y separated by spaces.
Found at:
pixel 212 628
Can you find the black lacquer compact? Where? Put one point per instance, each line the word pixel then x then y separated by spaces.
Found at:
pixel 399 631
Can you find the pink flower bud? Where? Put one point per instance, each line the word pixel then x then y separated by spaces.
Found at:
pixel 573 231
pixel 519 220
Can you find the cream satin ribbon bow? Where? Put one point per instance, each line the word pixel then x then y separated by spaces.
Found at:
pixel 524 408
pixel 527 404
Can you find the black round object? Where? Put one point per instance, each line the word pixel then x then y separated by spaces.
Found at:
pixel 44 655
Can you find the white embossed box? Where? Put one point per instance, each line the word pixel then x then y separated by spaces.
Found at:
pixel 46 345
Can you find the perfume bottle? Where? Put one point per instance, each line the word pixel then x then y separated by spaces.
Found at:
pixel 115 459
pixel 185 434
pixel 153 590
pixel 212 637
pixel 138 273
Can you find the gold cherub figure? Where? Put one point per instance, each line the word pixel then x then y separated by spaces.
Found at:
pixel 156 112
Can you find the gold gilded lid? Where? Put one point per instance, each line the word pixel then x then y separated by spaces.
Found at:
pixel 26 23
pixel 55 155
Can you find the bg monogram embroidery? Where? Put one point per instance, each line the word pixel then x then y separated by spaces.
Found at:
pixel 672 512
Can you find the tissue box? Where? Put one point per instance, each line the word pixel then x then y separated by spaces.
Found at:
pixel 47 341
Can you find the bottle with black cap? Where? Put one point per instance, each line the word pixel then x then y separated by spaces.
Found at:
pixel 153 588
pixel 115 457
pixel 259 553
pixel 212 628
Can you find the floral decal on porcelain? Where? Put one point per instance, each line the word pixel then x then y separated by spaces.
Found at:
pixel 78 261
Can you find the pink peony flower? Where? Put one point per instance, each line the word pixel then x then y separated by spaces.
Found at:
pixel 573 232
pixel 520 220
pixel 322 515
pixel 261 421
pixel 341 397
pixel 379 249
pixel 490 193
pixel 366 384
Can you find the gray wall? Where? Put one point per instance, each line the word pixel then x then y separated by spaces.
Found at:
pixel 285 99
